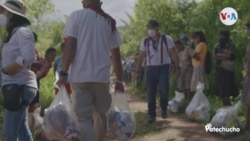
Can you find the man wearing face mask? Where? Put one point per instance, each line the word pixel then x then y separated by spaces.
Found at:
pixel 91 36
pixel 225 56
pixel 159 51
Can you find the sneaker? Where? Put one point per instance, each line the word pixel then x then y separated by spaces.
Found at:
pixel 151 119
pixel 164 114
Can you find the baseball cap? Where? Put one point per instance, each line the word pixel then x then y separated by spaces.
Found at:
pixel 153 23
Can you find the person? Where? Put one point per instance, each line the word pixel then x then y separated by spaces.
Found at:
pixel 246 89
pixel 19 84
pixel 129 71
pixel 157 53
pixel 225 82
pixel 186 41
pixel 186 68
pixel 41 69
pixel 58 68
pixel 198 59
pixel 91 36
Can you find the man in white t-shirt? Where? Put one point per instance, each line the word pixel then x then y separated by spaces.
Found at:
pixel 158 50
pixel 91 36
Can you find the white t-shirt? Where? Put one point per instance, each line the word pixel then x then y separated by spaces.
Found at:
pixel 154 56
pixel 94 41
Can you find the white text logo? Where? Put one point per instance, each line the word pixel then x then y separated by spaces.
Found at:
pixel 209 128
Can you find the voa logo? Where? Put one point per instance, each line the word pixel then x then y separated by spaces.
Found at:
pixel 228 16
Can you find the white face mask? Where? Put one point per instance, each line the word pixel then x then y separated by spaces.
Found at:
pixel 151 33
pixel 3 20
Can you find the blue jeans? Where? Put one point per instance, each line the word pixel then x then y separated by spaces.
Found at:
pixel 15 124
pixel 157 76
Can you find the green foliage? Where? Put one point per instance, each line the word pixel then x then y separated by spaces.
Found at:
pixel 36 10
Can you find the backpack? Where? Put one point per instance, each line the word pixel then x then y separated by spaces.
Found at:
pixel 208 63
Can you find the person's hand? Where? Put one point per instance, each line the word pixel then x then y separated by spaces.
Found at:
pixel 62 81
pixel 119 87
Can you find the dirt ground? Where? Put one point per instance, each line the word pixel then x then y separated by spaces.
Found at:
pixel 175 127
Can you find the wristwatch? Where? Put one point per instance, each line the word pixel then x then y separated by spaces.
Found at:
pixel 62 73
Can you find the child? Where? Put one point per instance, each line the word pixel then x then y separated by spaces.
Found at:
pixel 41 69
pixel 58 68
pixel 185 61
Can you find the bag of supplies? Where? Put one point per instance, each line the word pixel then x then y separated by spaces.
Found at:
pixel 121 119
pixel 199 107
pixel 175 103
pixel 226 117
pixel 59 118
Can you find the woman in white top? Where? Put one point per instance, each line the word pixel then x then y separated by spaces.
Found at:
pixel 18 81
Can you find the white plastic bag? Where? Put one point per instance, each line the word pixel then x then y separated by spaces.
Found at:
pixel 226 117
pixel 199 107
pixel 121 119
pixel 175 103
pixel 59 118
pixel 39 130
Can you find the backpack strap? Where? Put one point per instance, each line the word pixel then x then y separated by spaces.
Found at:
pixel 146 45
pixel 163 40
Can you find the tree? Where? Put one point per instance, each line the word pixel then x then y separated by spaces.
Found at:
pixel 36 10
pixel 165 12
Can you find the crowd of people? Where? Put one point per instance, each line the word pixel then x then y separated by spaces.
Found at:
pixel 91 36
pixel 129 75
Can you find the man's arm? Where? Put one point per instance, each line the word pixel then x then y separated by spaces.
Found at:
pixel 141 57
pixel 12 69
pixel 69 53
pixel 117 63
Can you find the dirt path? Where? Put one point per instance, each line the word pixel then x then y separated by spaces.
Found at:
pixel 174 128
